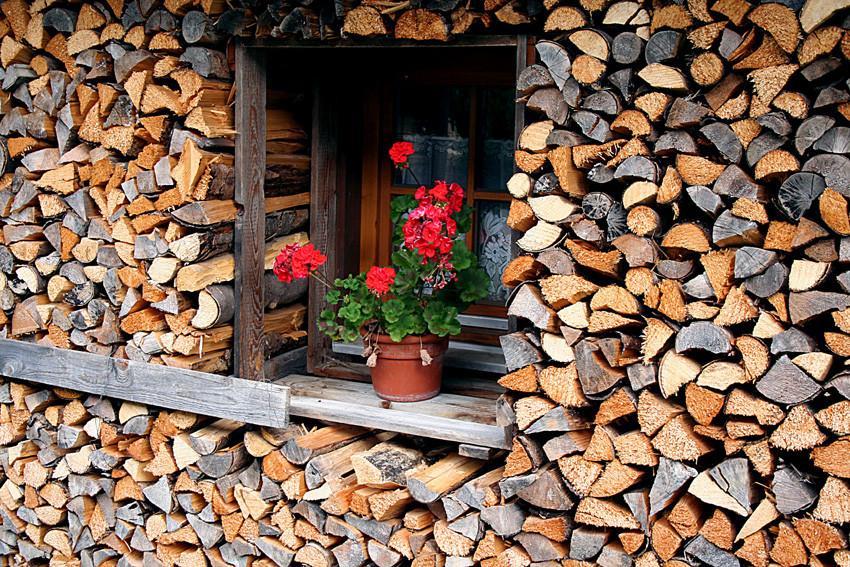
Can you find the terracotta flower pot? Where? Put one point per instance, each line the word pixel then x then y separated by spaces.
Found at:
pixel 400 376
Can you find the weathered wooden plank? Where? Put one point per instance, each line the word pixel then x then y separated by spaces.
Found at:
pixel 326 195
pixel 462 419
pixel 466 40
pixel 524 58
pixel 249 227
pixel 260 403
pixel 291 362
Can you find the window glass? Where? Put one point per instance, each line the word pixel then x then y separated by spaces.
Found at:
pixel 493 245
pixel 496 164
pixel 435 119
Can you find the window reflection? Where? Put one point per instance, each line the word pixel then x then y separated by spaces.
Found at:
pixel 497 153
pixel 436 121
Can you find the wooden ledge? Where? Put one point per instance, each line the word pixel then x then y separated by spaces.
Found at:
pixel 387 42
pixel 451 417
pixel 214 395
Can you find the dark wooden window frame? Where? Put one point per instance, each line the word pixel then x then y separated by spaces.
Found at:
pixel 457 415
pixel 327 192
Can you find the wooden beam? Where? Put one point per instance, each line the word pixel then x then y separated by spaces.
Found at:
pixel 290 362
pixel 391 42
pixel 524 58
pixel 260 403
pixel 326 196
pixel 249 235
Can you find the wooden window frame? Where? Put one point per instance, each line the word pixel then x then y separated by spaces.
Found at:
pixel 327 193
pixel 470 412
pixel 374 245
pixel 247 395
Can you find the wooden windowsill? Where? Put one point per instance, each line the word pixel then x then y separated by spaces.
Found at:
pixel 451 417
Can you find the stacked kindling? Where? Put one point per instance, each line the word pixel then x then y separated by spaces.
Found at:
pixel 683 204
pixel 93 482
pixel 117 203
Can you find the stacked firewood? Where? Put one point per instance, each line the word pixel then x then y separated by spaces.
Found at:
pixel 117 204
pixel 91 481
pixel 683 204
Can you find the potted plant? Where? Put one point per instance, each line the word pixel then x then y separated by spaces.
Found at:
pixel 404 312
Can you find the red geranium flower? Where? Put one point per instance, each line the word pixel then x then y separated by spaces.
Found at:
pixel 440 191
pixel 379 280
pixel 296 262
pixel 399 153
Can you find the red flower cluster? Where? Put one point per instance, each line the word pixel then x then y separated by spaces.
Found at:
pixel 399 153
pixel 430 229
pixel 379 280
pixel 296 262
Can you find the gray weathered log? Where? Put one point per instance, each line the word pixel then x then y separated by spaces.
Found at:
pixel 668 484
pixel 786 383
pixel 770 282
pixel 794 491
pixel 704 335
pixel 751 261
pixel 626 48
pixel 556 59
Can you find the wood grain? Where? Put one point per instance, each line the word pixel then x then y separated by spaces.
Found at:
pixel 325 196
pixel 249 226
pixel 259 403
pixel 450 417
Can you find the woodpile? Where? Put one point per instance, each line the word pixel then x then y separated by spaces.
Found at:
pixel 678 385
pixel 679 376
pixel 92 481
pixel 117 189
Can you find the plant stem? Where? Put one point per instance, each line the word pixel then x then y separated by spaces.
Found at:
pixel 416 179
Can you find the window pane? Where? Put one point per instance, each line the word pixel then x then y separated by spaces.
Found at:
pixel 494 244
pixel 436 121
pixel 496 164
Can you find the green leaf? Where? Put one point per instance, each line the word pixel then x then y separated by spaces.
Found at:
pixel 333 296
pixel 462 258
pixel 473 284
pixel 393 310
pixel 348 335
pixel 442 319
pixel 350 312
pixel 400 205
pixel 463 218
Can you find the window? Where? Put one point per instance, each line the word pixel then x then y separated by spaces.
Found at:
pixel 456 104
pixel 457 110
pixel 363 99
pixel 460 135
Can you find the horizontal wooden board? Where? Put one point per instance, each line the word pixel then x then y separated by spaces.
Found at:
pixel 451 417
pixel 214 395
pixel 458 41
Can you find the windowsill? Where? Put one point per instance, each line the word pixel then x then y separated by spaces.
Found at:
pixel 449 416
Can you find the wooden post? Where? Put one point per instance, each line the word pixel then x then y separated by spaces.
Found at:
pixel 326 221
pixel 249 236
pixel 524 58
